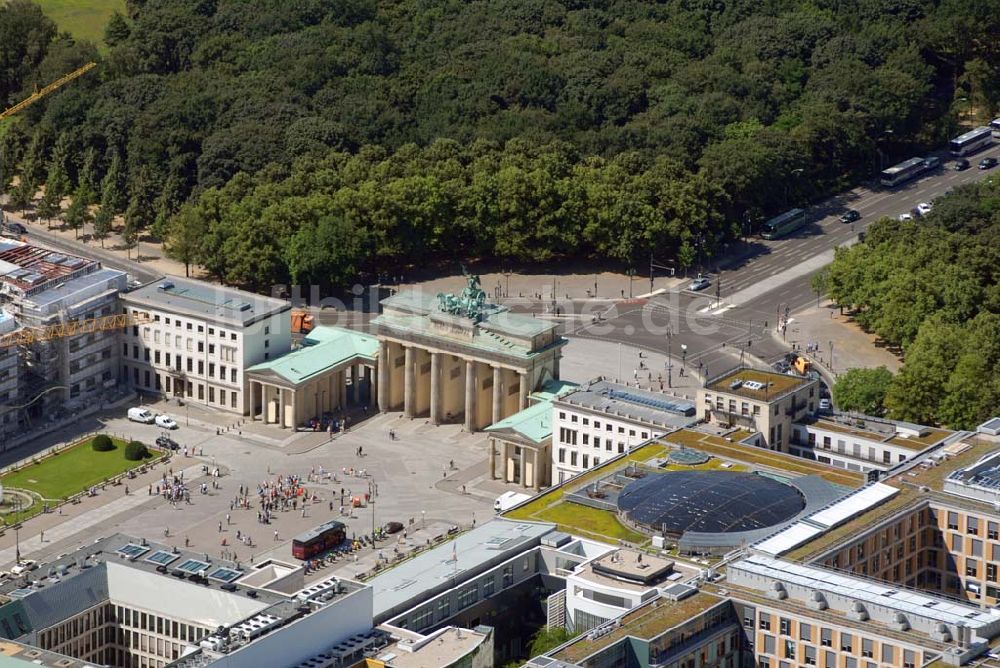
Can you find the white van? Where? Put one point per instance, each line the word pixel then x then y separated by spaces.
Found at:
pixel 508 500
pixel 143 415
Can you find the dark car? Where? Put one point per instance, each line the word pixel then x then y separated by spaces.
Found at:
pixel 960 165
pixel 850 216
pixel 15 228
pixel 167 443
pixel 932 162
pixel 987 163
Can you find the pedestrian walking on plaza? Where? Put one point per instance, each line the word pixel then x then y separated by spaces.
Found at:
pixel 329 430
pixel 275 534
pixel 220 527
pixel 227 519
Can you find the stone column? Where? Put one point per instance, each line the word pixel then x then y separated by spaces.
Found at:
pixel 504 456
pixel 355 390
pixel 295 410
pixel 522 403
pixel 497 394
pixel 281 408
pixel 410 385
pixel 253 401
pixel 436 388
pixel 470 395
pixel 493 459
pixel 524 466
pixel 370 384
pixel 383 376
pixel 536 471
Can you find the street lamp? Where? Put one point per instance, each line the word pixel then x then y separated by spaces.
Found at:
pixel 670 361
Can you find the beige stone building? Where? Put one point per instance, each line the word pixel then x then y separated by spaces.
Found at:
pixel 453 358
pixel 762 401
pixel 331 370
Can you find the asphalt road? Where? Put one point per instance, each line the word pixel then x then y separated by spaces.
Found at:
pixel 762 279
pixel 108 259
pixel 767 276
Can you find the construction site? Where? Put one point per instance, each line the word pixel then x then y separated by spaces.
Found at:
pixel 59 349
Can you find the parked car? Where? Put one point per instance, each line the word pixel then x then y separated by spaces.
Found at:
pixel 166 442
pixel 987 163
pixel 825 405
pixel 166 422
pixel 850 216
pixel 905 216
pixel 960 165
pixel 932 162
pixel 143 415
pixel 924 208
pixel 15 228
pixel 699 283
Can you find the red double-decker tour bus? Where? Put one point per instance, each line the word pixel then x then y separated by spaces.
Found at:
pixel 318 539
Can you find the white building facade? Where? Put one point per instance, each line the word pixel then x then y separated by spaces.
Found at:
pixel 200 339
pixel 603 420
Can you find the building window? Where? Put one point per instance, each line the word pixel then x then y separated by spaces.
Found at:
pixel 562 455
pixel 784 626
pixel 826 637
pixel 971 567
pixel 572 458
pixel 765 621
pixel 846 642
pixel 972 526
pixel 991 572
pixel 805 632
pixel 953 521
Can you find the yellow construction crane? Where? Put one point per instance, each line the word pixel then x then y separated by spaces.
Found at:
pixel 29 335
pixel 39 94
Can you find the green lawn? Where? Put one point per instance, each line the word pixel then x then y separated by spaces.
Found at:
pixel 73 470
pixel 84 19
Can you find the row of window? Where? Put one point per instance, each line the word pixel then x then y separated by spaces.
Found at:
pixel 190 326
pixel 573 418
pixel 178 362
pixel 155 382
pixel 585 458
pixel 825 637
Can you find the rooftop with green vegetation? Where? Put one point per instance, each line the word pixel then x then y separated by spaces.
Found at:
pixel 730 448
pixel 646 623
pixel 775 385
pixel 915 443
pixel 909 483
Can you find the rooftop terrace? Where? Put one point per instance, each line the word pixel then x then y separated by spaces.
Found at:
pixel 645 622
pixel 756 384
pixel 911 442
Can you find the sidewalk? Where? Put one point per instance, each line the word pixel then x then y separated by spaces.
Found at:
pixel 852 347
pixel 76 519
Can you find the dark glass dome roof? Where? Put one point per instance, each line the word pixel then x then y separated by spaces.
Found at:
pixel 709 502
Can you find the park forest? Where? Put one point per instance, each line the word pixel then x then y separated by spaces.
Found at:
pixel 320 141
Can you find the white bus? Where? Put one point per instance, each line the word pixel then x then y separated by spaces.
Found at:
pixel 995 127
pixel 903 172
pixel 971 141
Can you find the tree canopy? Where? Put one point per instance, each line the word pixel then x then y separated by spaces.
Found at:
pixel 931 287
pixel 401 133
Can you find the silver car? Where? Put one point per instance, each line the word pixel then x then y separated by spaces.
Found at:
pixel 699 283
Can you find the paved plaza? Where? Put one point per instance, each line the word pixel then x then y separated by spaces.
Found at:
pixel 424 477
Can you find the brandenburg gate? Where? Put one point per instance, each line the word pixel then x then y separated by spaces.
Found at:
pixel 456 357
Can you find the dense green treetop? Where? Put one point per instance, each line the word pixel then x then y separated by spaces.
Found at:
pixel 525 129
